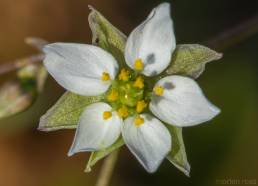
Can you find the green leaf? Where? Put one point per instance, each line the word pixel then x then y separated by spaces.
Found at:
pixel 66 112
pixel 98 155
pixel 106 36
pixel 177 156
pixel 190 60
pixel 19 94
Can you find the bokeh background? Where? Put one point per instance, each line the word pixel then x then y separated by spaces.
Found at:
pixel 225 148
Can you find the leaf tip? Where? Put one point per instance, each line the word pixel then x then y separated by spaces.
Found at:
pixel 87 169
pixel 71 152
pixel 187 170
pixel 43 129
pixel 89 164
pixel 219 56
pixel 42 123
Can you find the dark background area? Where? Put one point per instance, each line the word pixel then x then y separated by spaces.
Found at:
pixel 225 148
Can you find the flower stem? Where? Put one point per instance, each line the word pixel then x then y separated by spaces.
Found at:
pixel 19 63
pixel 107 169
pixel 234 35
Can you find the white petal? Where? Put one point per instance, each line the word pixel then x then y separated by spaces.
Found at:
pixel 93 132
pixel 153 41
pixel 183 102
pixel 79 67
pixel 149 142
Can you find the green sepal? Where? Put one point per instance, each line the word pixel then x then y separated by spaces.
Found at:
pixel 98 155
pixel 190 60
pixel 66 112
pixel 178 156
pixel 106 36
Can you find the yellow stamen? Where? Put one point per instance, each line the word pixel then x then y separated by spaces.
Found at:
pixel 139 82
pixel 141 105
pixel 138 64
pixel 159 90
pixel 138 121
pixel 107 115
pixel 105 76
pixel 122 112
pixel 113 95
pixel 124 75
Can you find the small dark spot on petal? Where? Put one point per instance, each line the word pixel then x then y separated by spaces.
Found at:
pixel 168 85
pixel 150 59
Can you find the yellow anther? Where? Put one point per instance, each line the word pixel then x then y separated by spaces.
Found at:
pixel 159 90
pixel 141 105
pixel 105 76
pixel 107 115
pixel 113 95
pixel 124 75
pixel 138 121
pixel 122 112
pixel 138 64
pixel 139 82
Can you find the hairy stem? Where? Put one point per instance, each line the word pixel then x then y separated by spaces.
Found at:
pixel 107 169
pixel 235 34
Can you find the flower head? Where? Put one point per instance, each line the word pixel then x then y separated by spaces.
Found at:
pixel 175 100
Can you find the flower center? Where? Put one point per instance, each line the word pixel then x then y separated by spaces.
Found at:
pixel 122 112
pixel 113 95
pixel 141 105
pixel 124 75
pixel 130 95
pixel 139 82
pixel 127 94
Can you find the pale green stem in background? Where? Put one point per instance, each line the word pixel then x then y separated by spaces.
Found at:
pixel 19 63
pixel 107 169
pixel 34 42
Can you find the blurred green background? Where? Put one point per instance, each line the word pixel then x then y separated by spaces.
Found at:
pixel 225 148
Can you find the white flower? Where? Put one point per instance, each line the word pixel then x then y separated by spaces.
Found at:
pixel 89 70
